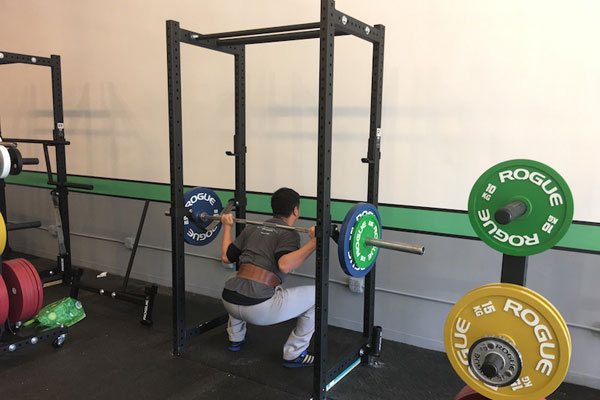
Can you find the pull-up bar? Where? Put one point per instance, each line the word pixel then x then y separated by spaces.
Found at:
pixel 261 31
pixel 344 24
pixel 282 37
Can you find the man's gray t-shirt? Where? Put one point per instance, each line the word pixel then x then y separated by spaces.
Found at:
pixel 259 245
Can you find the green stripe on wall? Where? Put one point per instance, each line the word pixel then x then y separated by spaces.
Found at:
pixel 579 237
pixel 582 237
pixel 109 187
pixel 443 222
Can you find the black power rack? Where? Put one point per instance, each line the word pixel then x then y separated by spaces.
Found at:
pixel 333 23
pixel 11 340
pixel 63 272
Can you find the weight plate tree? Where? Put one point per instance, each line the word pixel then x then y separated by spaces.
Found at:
pixel 508 342
pixel 520 207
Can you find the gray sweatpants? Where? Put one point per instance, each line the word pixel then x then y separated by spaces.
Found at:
pixel 285 304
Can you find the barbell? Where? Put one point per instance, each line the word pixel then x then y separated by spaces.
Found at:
pixel 369 241
pixel 359 237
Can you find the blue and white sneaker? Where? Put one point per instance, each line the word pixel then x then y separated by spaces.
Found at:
pixel 235 346
pixel 303 360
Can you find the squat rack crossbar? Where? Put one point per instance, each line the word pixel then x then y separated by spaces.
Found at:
pixel 332 23
pixel 14 58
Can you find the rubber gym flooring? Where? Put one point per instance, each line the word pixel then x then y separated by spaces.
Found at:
pixel 110 355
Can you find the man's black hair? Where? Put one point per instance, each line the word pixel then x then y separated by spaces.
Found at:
pixel 283 202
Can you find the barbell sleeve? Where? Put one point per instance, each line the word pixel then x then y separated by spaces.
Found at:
pixel 510 212
pixel 31 161
pixel 397 246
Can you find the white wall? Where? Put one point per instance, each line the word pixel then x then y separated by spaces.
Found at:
pixel 464 82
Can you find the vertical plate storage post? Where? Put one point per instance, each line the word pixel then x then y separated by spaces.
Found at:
pixel 514 269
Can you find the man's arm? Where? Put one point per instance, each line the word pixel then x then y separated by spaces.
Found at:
pixel 290 261
pixel 227 221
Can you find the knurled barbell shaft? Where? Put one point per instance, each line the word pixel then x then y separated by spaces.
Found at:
pixel 397 246
pixel 205 217
pixel 270 225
